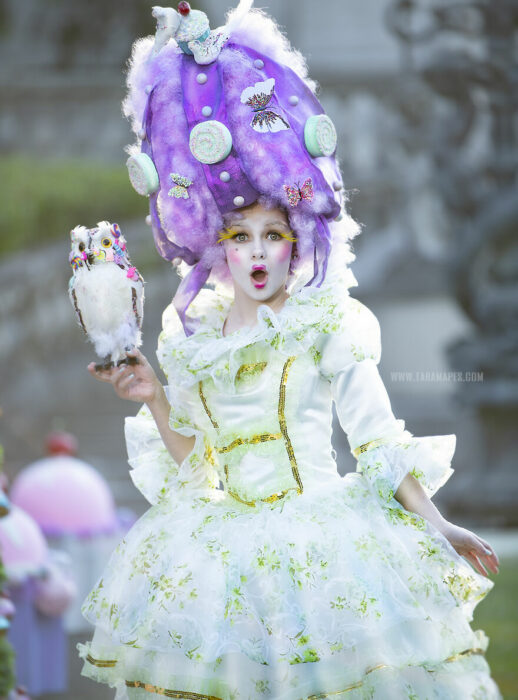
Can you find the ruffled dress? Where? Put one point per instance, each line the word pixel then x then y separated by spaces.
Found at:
pixel 260 572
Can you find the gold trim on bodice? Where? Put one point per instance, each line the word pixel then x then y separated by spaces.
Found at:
pixel 249 369
pixel 262 437
pixel 204 402
pixel 282 421
pixel 265 437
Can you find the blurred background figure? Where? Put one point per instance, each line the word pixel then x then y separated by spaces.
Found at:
pixel 423 95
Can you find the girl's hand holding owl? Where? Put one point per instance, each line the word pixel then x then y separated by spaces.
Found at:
pixel 136 382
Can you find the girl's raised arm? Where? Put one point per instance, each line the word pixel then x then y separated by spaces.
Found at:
pixel 139 383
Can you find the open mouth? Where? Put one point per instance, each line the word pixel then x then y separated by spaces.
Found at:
pixel 259 278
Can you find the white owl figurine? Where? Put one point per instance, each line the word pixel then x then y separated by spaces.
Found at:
pixel 107 292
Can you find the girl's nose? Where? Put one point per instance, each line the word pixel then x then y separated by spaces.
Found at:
pixel 258 251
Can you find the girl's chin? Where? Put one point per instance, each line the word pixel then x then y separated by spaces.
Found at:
pixel 262 293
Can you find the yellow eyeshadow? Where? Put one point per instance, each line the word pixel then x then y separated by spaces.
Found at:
pixel 231 232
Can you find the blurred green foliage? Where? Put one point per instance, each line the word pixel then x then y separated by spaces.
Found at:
pixel 44 200
pixel 497 615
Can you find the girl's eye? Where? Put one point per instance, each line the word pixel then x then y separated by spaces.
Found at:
pixel 274 236
pixel 81 247
pixel 240 237
pixel 106 243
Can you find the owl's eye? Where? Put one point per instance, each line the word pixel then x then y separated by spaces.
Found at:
pixel 81 247
pixel 106 243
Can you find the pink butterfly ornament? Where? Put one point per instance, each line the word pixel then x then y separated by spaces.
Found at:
pixel 296 194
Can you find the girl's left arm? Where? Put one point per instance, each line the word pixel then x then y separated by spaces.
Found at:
pixel 394 462
pixel 477 551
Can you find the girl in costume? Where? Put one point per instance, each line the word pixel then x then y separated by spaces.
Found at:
pixel 259 572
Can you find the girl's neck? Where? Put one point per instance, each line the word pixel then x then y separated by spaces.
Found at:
pixel 243 311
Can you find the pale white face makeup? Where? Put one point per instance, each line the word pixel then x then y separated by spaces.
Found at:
pixel 258 253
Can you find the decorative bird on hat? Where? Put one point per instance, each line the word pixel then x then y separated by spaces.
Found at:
pixel 191 30
pixel 107 292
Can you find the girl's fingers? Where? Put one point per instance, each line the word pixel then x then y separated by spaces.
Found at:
pixel 491 563
pixel 103 375
pixel 121 377
pixel 484 546
pixel 135 352
pixel 125 382
pixel 476 563
pixel 481 548
pixel 490 550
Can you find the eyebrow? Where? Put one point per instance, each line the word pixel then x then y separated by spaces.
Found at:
pixel 241 223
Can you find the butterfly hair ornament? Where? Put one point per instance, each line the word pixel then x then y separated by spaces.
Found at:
pixel 297 194
pixel 258 98
pixel 248 128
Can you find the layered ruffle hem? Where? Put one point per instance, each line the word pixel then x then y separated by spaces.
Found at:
pixel 325 594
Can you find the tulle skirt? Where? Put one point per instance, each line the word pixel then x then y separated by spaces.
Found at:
pixel 331 593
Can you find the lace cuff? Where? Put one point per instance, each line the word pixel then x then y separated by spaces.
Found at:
pixel 386 462
pixel 155 473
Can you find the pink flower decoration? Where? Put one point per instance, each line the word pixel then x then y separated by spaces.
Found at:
pixel 131 272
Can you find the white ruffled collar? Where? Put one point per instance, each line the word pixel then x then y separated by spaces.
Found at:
pixel 291 330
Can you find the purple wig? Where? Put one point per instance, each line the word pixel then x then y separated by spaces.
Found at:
pixel 224 119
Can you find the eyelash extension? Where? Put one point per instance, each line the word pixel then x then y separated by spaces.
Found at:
pixel 288 236
pixel 226 233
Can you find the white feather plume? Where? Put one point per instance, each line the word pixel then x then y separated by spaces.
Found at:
pixel 234 17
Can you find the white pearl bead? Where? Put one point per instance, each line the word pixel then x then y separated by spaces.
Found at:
pixel 148 89
pixel 224 176
pixel 206 111
pixel 339 217
pixel 142 134
pixel 239 201
pixel 201 78
pixel 176 261
pixel 337 185
pixel 294 100
pixel 258 63
pixel 148 219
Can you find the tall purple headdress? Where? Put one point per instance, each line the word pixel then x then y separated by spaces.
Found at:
pixel 225 118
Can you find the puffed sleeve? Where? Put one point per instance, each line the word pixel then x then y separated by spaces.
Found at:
pixel 153 470
pixel 385 451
